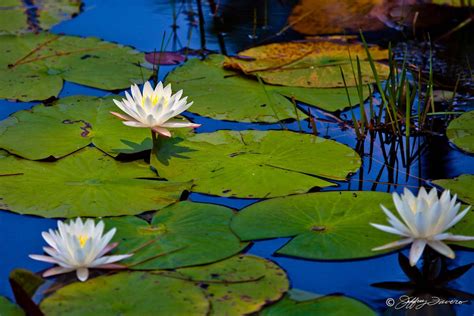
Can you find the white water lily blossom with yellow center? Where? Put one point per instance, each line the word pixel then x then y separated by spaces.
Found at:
pixel 154 109
pixel 78 246
pixel 424 221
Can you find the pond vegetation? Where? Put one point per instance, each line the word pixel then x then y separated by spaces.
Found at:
pixel 236 158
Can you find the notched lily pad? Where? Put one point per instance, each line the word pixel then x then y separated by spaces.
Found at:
pixel 460 131
pixel 329 225
pixel 183 234
pixel 70 124
pixel 127 293
pixel 7 308
pixel 322 306
pixel 18 17
pixel 463 186
pixel 33 66
pixel 253 164
pixel 226 95
pixel 314 63
pixel 87 183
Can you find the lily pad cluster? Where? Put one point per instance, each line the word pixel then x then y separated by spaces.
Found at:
pixel 18 17
pixel 34 66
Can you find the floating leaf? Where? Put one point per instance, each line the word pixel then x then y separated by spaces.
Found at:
pixel 329 225
pixel 180 235
pixel 323 306
pixel 165 58
pixel 240 285
pixel 87 183
pixel 463 186
pixel 127 293
pixel 33 66
pixel 17 17
pixel 71 124
pixel 254 163
pixel 460 131
pixel 7 308
pixel 315 63
pixel 225 95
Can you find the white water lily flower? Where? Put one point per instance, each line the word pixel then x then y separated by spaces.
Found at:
pixel 154 108
pixel 425 219
pixel 79 246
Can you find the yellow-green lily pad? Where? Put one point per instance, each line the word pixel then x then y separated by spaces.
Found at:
pixel 87 183
pixel 34 66
pixel 254 164
pixel 180 235
pixel 7 308
pixel 460 131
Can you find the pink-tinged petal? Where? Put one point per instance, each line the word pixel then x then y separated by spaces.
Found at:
pixel 123 117
pixel 180 124
pixel 134 124
pixel 416 250
pixel 112 266
pixel 56 271
pixel 161 131
pixel 394 244
pixel 82 274
pixel 107 248
pixel 442 248
pixel 44 258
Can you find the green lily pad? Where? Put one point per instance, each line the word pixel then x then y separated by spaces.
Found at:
pixel 87 183
pixel 254 163
pixel 69 125
pixel 463 186
pixel 333 305
pixel 329 225
pixel 460 131
pixel 14 17
pixel 127 293
pixel 33 66
pixel 180 235
pixel 240 285
pixel 7 308
pixel 226 95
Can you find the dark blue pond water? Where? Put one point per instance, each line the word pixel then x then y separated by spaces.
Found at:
pixel 142 23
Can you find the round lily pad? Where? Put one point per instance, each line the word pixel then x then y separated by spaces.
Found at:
pixel 17 17
pixel 240 285
pixel 7 308
pixel 127 293
pixel 180 235
pixel 87 183
pixel 33 66
pixel 460 131
pixel 70 124
pixel 227 95
pixel 312 63
pixel 327 225
pixel 322 306
pixel 254 163
pixel 463 186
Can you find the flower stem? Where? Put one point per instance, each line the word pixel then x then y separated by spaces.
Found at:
pixel 156 144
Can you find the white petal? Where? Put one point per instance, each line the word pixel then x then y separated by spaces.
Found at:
pixel 416 250
pixel 442 248
pixel 457 218
pixel 55 271
pixel 388 229
pixel 396 223
pixel 179 124
pixel 451 237
pixel 82 274
pixel 135 124
pixel 394 244
pixel 44 258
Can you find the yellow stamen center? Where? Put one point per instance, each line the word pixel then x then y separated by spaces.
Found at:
pixel 82 240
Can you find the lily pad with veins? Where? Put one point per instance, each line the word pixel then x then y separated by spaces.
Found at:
pixel 254 164
pixel 86 183
pixel 180 235
pixel 227 95
pixel 34 66
pixel 70 124
pixel 325 225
